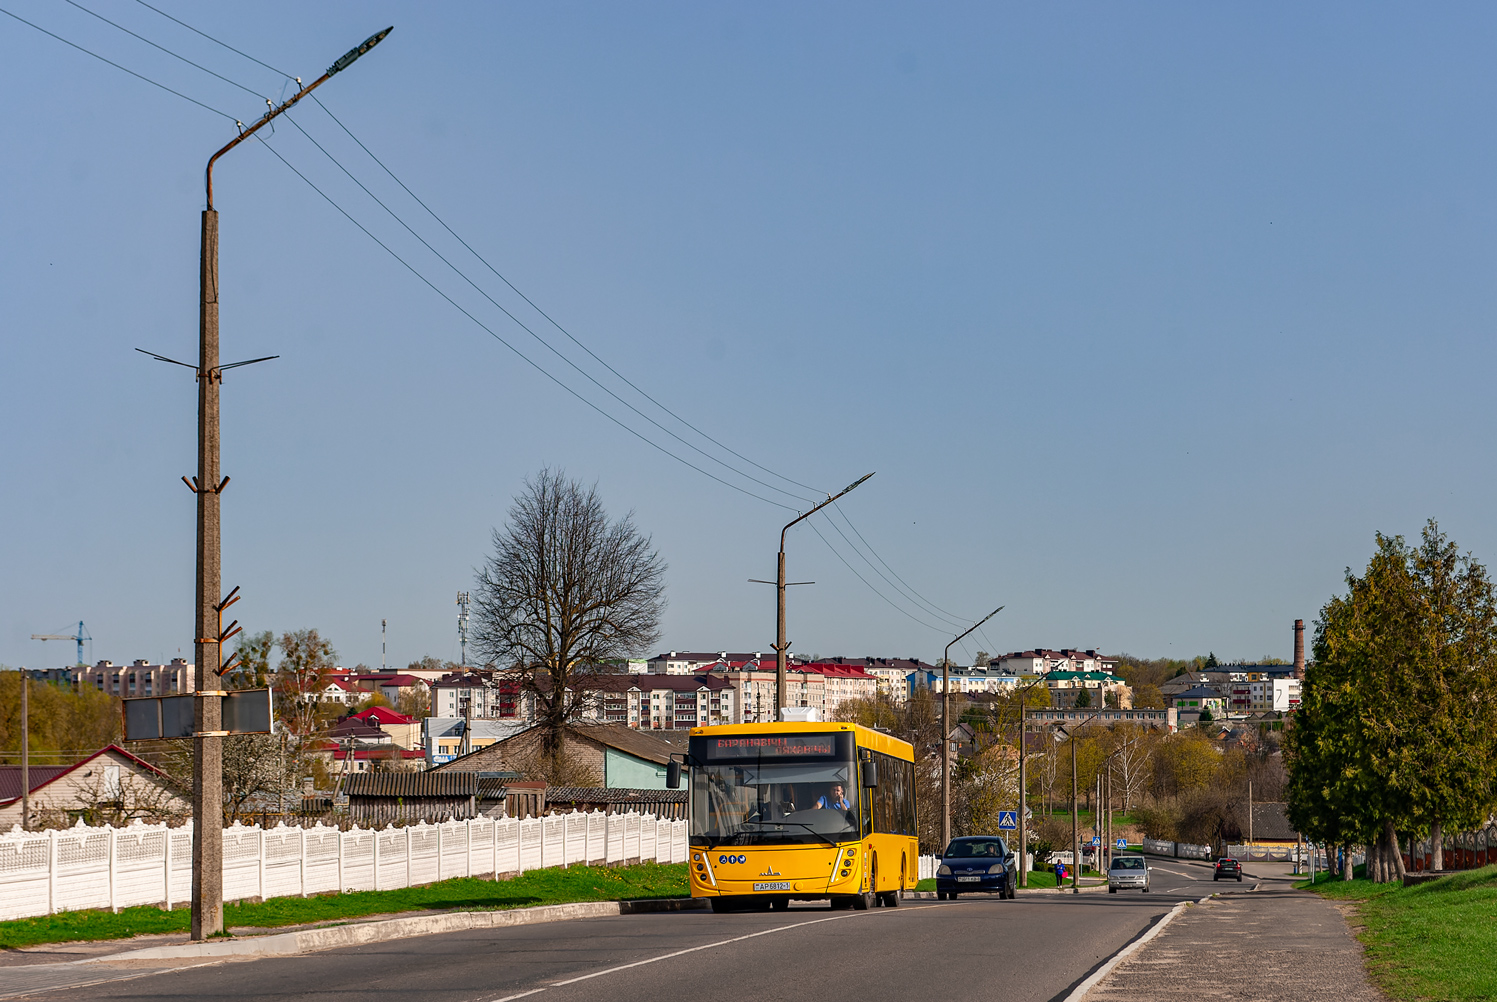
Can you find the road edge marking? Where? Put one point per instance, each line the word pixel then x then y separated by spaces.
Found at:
pixel 1079 992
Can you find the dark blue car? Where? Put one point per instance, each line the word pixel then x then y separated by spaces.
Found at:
pixel 976 863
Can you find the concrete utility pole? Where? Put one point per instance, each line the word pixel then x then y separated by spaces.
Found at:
pixel 207 765
pixel 946 730
pixel 1024 783
pixel 25 752
pixel 781 645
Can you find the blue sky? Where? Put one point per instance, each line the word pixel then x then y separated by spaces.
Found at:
pixel 1147 316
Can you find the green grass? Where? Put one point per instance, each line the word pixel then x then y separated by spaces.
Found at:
pixel 1430 941
pixel 538 887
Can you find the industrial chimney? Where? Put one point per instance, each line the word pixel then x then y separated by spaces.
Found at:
pixel 1299 649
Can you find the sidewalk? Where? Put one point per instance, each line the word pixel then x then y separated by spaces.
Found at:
pixel 1275 944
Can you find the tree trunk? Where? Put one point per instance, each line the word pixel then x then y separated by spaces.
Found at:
pixel 1436 847
pixel 1346 863
pixel 1398 867
pixel 1375 859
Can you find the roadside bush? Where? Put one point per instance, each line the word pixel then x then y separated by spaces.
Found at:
pixel 1158 820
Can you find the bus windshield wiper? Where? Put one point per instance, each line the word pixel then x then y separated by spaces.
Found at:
pixel 798 824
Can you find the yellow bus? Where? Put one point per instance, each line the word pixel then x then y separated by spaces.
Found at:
pixel 801 810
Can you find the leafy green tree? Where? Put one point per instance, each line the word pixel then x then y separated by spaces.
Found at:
pixel 1397 729
pixel 1083 698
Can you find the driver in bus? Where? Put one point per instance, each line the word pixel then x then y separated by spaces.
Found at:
pixel 835 799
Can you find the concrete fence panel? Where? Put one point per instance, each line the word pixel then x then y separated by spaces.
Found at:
pixel 83 867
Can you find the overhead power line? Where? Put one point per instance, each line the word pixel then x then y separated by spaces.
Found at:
pixel 525 327
pixel 905 592
pixel 896 607
pixel 123 69
pixel 496 336
pixel 549 319
pixel 216 41
pixel 169 52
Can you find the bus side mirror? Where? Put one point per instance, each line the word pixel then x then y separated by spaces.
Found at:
pixel 673 775
pixel 870 775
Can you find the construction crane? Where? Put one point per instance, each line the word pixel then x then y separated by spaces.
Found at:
pixel 77 638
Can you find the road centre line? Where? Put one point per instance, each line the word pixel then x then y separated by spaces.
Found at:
pixel 674 953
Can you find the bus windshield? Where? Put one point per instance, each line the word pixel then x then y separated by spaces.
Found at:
pixel 790 789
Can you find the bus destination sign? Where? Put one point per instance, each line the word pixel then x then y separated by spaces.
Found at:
pixel 772 746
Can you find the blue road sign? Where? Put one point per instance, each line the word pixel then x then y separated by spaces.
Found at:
pixel 1122 843
pixel 1008 821
pixel 1096 840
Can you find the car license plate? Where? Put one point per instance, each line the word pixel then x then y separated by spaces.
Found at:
pixel 968 880
pixel 778 885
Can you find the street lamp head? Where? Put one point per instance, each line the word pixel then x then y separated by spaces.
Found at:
pixel 855 483
pixel 348 57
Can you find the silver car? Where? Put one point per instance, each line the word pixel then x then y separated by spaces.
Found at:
pixel 1128 873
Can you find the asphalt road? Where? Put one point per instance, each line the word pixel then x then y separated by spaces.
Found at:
pixel 1036 947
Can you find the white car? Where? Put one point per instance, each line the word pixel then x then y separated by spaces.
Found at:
pixel 1128 873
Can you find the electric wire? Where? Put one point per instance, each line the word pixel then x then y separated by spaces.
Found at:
pixel 914 595
pixel 111 62
pixel 484 261
pixel 434 251
pixel 900 609
pixel 216 41
pixel 509 314
pixel 496 336
pixel 854 547
pixel 169 52
pixel 524 327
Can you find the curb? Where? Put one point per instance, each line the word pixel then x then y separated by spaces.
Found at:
pixel 358 934
pixel 1096 976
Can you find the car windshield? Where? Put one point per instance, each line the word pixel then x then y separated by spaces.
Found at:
pixel 796 791
pixel 975 848
pixel 1128 863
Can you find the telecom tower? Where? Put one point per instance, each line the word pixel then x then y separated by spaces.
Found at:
pixel 462 628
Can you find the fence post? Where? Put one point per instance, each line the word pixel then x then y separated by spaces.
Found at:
pixel 407 856
pixel 260 842
pixel 51 871
pixel 374 832
pixel 166 866
pixel 342 887
pixel 111 869
pixel 439 852
pixel 494 848
pixel 303 867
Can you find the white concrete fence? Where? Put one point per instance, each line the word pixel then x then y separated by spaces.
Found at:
pixel 1180 850
pixel 53 871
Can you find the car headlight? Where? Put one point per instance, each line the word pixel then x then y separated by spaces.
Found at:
pixel 943 870
pixel 996 868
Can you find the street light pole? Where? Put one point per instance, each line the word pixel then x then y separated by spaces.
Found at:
pixel 782 645
pixel 946 730
pixel 1024 785
pixel 207 765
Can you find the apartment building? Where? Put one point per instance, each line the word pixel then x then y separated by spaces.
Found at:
pixel 1041 661
pixel 823 685
pixel 663 702
pixel 140 678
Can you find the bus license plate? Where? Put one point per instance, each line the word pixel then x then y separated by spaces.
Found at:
pixel 778 885
pixel 968 880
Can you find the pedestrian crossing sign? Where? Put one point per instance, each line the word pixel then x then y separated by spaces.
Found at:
pixel 1008 821
pixel 1122 843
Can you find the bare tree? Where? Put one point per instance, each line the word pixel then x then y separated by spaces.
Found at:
pixel 565 592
